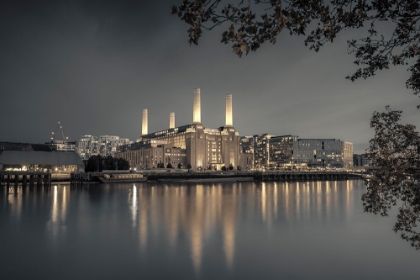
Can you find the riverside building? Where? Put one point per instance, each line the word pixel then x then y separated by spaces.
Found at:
pixel 323 153
pixel 193 145
pixel 271 151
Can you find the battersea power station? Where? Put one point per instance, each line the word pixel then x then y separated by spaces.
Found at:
pixel 189 146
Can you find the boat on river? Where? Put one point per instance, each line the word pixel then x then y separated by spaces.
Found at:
pixel 122 178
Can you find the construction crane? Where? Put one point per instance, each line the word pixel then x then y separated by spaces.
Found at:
pixel 58 128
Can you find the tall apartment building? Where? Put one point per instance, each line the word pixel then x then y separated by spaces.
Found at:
pixel 281 150
pixel 269 150
pixel 108 144
pixel 87 146
pixel 103 145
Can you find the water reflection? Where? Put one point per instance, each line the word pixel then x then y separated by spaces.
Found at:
pixel 132 199
pixel 143 220
pixel 57 222
pixel 196 211
pixel 206 219
pixel 201 211
pixel 15 201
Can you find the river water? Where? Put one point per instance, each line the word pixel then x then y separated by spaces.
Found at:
pixel 248 230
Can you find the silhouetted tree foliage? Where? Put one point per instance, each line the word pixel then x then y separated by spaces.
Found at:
pixel 189 166
pixel 395 151
pixel 238 168
pixel 123 164
pixel 169 165
pixel 224 168
pixel 179 165
pixel 94 164
pixel 249 24
pixel 99 163
pixel 160 165
pixel 108 163
pixel 230 166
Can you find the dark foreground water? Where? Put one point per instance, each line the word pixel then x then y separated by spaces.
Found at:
pixel 312 230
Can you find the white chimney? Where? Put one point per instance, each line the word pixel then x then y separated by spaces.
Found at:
pixel 197 106
pixel 229 117
pixel 144 123
pixel 172 120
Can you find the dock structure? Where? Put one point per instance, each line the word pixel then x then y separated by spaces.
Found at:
pixel 257 175
pixel 308 176
pixel 77 178
pixel 25 178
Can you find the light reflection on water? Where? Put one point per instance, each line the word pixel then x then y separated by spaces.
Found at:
pixel 201 231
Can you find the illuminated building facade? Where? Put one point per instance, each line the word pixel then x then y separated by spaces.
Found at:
pixel 269 150
pixel 87 146
pixel 104 145
pixel 280 151
pixel 62 145
pixel 189 145
pixel 323 152
pixel 40 160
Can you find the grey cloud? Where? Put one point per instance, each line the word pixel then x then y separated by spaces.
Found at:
pixel 94 65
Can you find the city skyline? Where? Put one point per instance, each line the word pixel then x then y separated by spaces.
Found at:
pixel 95 67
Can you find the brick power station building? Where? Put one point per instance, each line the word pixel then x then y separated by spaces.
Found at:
pixel 189 145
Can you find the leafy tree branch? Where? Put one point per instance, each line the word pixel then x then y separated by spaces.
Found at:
pixel 249 24
pixel 395 151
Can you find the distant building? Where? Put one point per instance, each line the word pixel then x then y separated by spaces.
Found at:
pixel 14 146
pixel 261 149
pixel 361 160
pixel 87 146
pixel 47 161
pixel 246 144
pixel 323 152
pixel 108 144
pixel 281 150
pixel 271 151
pixel 191 144
pixel 152 154
pixel 62 145
pixel 38 157
pixel 104 145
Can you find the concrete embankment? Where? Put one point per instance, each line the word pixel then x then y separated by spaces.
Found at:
pixel 208 180
pixel 248 176
pixel 152 176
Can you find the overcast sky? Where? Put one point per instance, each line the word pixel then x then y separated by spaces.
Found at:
pixel 94 65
